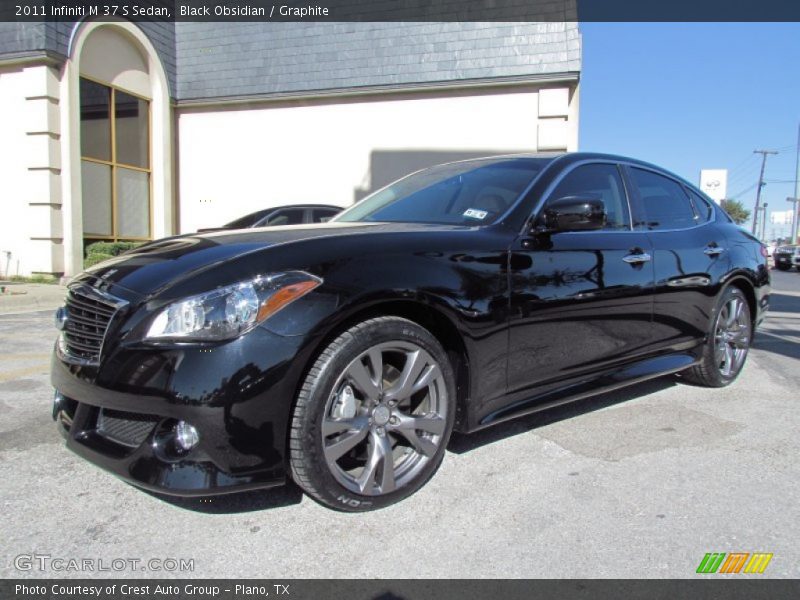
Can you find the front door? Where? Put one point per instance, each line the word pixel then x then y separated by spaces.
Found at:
pixel 580 301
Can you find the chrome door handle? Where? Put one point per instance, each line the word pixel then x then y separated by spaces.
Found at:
pixel 713 250
pixel 638 258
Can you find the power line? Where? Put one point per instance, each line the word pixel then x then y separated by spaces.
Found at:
pixel 744 191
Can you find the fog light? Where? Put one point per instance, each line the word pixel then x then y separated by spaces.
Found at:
pixel 58 403
pixel 186 436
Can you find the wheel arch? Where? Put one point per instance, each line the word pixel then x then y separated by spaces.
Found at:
pixel 747 287
pixel 423 314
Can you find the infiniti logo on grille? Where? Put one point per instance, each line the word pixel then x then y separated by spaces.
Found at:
pixel 61 318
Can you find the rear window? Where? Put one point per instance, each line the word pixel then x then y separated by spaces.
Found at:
pixel 464 193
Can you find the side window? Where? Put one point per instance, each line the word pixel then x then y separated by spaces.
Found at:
pixel 323 215
pixel 665 203
pixel 601 179
pixel 292 216
pixel 702 209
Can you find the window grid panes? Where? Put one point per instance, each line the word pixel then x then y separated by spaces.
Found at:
pixel 115 163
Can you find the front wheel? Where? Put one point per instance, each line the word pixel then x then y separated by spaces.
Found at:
pixel 728 342
pixel 373 416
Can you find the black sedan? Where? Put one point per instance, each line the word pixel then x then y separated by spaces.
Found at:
pixel 294 214
pixel 344 354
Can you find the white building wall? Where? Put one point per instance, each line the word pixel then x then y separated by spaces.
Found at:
pixel 237 160
pixel 30 169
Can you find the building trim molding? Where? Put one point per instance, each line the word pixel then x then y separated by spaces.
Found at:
pixel 409 88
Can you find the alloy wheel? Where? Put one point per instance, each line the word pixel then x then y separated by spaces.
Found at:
pixel 732 336
pixel 385 418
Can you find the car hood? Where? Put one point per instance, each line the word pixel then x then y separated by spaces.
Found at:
pixel 158 265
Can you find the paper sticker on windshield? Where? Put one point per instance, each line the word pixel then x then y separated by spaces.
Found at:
pixel 474 213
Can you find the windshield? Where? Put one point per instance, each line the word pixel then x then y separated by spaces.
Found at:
pixel 475 192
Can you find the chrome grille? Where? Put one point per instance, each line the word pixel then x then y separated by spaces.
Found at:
pixel 89 313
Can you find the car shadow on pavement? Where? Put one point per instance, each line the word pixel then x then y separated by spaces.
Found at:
pixel 783 303
pixel 461 443
pixel 241 502
pixel 781 341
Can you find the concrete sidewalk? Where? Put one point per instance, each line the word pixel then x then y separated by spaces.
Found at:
pixel 29 297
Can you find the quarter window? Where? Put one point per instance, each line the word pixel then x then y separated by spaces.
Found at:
pixel 665 203
pixel 603 180
pixel 115 163
pixel 702 208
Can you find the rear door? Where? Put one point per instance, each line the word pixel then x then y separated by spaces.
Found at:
pixel 690 255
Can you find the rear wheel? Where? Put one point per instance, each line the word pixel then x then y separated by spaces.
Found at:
pixel 725 352
pixel 373 417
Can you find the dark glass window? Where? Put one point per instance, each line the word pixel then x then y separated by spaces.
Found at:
pixel 292 216
pixel 248 220
pixel 323 215
pixel 604 181
pixel 132 130
pixel 475 192
pixel 702 209
pixel 95 120
pixel 665 203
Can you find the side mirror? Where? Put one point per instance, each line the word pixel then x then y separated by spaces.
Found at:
pixel 584 212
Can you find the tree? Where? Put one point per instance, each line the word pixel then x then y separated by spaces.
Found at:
pixel 736 210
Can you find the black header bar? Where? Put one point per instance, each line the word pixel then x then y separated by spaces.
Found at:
pixel 403 10
pixel 404 589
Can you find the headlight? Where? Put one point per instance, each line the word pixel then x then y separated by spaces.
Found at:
pixel 230 311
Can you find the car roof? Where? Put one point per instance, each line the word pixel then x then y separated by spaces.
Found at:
pixel 332 206
pixel 566 157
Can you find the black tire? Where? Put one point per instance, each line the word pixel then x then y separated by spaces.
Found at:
pixel 713 370
pixel 310 465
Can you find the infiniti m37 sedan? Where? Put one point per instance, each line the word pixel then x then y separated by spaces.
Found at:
pixel 342 355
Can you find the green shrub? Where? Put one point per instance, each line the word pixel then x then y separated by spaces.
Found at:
pixel 37 278
pixel 110 248
pixel 94 258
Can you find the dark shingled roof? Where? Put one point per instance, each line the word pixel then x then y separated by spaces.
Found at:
pixel 207 61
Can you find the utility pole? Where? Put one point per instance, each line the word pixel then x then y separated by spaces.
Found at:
pixel 764 220
pixel 764 154
pixel 795 216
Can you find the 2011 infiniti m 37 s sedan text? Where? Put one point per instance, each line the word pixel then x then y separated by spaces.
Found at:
pixel 343 354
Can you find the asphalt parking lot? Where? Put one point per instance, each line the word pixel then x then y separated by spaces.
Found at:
pixel 638 483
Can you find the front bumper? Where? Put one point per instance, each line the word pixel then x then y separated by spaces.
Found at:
pixel 121 415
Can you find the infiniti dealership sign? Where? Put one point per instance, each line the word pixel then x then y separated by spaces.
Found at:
pixel 714 183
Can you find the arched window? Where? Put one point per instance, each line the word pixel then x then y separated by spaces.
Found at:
pixel 117 143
